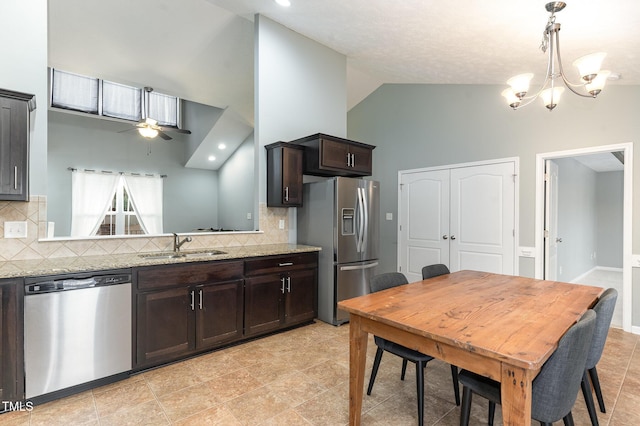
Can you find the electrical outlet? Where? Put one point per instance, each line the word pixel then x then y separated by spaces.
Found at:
pixel 389 216
pixel 248 216
pixel 15 229
pixel 281 224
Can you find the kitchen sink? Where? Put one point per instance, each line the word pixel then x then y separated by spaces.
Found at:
pixel 173 255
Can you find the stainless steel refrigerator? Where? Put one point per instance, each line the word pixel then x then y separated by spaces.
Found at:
pixel 341 215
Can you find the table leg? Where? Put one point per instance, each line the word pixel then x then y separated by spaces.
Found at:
pixel 516 395
pixel 357 360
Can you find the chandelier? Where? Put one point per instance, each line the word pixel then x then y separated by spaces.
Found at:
pixel 592 79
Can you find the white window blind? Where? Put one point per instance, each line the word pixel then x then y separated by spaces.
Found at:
pixel 74 91
pixel 121 101
pixel 163 108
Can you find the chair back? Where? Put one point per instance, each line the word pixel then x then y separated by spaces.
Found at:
pixel 604 311
pixel 555 389
pixel 387 280
pixel 435 270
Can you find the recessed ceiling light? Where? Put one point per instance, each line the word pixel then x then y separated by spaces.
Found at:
pixel 285 3
pixel 211 158
pixel 221 146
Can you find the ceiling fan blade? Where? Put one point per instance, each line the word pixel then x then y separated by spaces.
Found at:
pixel 126 130
pixel 174 129
pixel 164 136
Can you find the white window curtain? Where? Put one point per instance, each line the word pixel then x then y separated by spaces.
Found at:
pixel 145 192
pixel 163 108
pixel 121 101
pixel 91 196
pixel 74 91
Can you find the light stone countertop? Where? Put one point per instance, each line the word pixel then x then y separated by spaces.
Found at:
pixel 63 265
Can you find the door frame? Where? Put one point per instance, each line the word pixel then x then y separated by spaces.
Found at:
pixel 627 222
pixel 516 212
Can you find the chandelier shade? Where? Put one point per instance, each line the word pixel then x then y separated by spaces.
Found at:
pixel 592 79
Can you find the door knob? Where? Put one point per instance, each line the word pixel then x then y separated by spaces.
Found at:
pixel 453 237
pixel 444 237
pixel 558 240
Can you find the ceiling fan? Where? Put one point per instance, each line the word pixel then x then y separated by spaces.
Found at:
pixel 149 127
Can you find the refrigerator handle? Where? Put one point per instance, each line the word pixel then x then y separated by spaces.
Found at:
pixel 357 267
pixel 361 221
pixel 365 228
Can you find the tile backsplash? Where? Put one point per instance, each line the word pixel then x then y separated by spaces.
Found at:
pixel 34 212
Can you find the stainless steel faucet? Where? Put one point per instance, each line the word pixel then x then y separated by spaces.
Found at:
pixel 177 243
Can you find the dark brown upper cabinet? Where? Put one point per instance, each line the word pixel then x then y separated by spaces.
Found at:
pixel 15 108
pixel 326 155
pixel 284 174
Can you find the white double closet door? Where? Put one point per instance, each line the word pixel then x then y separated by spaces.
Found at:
pixel 463 217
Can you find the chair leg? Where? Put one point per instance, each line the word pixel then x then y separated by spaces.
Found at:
pixel 568 420
pixel 465 409
pixel 492 413
pixel 420 388
pixel 596 386
pixel 456 384
pixel 404 368
pixel 588 399
pixel 374 370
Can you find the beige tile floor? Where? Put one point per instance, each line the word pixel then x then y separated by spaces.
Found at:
pixel 300 377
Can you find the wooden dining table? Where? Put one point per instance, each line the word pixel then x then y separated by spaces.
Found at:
pixel 500 326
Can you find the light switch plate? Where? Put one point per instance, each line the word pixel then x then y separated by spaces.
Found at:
pixel 16 229
pixel 249 216
pixel 389 216
pixel 281 224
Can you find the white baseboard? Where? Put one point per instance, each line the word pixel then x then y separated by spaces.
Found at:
pixel 595 268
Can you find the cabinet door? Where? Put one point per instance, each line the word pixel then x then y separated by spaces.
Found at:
pixel 165 324
pixel 300 300
pixel 361 159
pixel 292 177
pixel 263 304
pixel 218 313
pixel 334 155
pixel 14 128
pixel 11 341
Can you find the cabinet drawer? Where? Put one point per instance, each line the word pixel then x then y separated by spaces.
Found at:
pixel 187 274
pixel 282 263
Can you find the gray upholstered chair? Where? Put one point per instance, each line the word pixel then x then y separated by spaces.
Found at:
pixel 383 282
pixel 431 271
pixel 604 310
pixel 554 390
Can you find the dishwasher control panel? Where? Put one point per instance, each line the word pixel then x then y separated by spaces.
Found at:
pixel 62 284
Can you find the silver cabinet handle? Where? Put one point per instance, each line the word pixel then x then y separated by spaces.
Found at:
pixel 285 264
pixel 288 284
pixel 15 177
pixel 193 300
pixel 353 160
pixel 200 294
pixel 286 193
pixel 282 288
pixel 453 237
pixel 445 236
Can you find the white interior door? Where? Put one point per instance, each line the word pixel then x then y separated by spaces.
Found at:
pixel 424 221
pixel 482 223
pixel 551 238
pixel 463 217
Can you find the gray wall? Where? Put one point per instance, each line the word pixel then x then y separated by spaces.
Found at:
pixel 190 195
pixel 609 198
pixel 429 125
pixel 236 189
pixel 577 219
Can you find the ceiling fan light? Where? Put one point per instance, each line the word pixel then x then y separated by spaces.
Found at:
pixel 147 132
pixel 151 121
pixel 520 84
pixel 597 84
pixel 551 97
pixel 511 98
pixel 589 65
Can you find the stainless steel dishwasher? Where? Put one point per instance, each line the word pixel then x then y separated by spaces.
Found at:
pixel 77 330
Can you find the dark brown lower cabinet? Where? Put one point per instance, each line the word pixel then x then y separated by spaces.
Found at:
pixel 280 299
pixel 11 341
pixel 201 309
